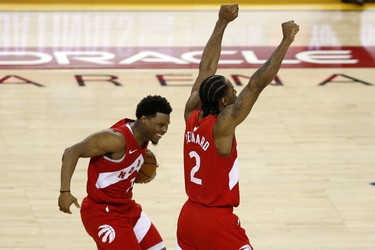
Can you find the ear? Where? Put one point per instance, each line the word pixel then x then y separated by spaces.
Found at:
pixel 144 120
pixel 224 101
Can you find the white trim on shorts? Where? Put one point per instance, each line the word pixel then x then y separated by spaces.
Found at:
pixel 142 226
pixel 178 247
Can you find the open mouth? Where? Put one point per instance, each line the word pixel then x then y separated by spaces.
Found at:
pixel 156 138
pixel 159 136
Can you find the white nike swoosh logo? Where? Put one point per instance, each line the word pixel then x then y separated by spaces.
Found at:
pixel 132 151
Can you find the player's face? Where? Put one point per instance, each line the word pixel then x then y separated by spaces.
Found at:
pixel 157 127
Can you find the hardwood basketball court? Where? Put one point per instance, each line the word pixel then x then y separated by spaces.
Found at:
pixel 306 152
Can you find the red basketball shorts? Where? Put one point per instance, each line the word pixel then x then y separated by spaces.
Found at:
pixel 117 228
pixel 201 227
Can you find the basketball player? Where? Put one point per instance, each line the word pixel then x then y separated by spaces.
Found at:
pixel 212 113
pixel 110 215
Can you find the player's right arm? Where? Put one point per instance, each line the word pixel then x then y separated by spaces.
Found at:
pixel 100 143
pixel 211 55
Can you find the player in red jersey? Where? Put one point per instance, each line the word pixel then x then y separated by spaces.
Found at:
pixel 110 215
pixel 212 113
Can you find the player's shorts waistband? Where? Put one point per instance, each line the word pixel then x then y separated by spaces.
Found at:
pixel 201 205
pixel 124 205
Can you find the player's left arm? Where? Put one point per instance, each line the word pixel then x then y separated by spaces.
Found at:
pixel 233 115
pixel 260 79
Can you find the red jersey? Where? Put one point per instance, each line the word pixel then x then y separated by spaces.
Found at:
pixel 210 178
pixel 111 181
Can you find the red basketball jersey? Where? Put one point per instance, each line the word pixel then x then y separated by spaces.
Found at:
pixel 210 179
pixel 111 181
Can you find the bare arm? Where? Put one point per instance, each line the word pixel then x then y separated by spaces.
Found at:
pixel 234 114
pixel 100 143
pixel 211 55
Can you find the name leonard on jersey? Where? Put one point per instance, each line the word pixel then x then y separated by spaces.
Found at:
pixel 192 137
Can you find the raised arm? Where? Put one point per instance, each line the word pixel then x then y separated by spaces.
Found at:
pixel 211 54
pixel 234 114
pixel 263 76
pixel 100 143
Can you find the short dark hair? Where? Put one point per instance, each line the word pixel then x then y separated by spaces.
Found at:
pixel 152 104
pixel 212 89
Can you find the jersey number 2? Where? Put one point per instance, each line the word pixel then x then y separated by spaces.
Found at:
pixel 195 169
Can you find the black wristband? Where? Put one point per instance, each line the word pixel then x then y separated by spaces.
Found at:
pixel 64 191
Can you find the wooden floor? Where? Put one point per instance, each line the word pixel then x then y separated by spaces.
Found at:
pixel 306 153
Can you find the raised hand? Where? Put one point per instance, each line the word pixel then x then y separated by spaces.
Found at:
pixel 228 12
pixel 290 29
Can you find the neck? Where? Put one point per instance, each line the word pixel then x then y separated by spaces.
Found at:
pixel 138 133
